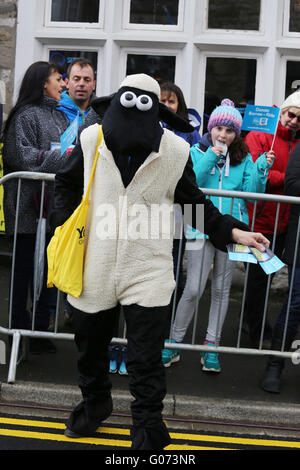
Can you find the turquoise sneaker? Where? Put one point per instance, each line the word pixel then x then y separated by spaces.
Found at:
pixel 169 356
pixel 210 361
pixel 122 368
pixel 114 352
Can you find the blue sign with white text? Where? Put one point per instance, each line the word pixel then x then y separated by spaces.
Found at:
pixel 260 118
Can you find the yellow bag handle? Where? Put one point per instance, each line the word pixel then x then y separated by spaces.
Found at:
pixel 100 135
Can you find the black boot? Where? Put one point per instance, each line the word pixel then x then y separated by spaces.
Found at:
pixel 272 376
pixel 271 379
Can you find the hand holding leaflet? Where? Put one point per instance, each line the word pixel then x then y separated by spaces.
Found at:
pixel 268 261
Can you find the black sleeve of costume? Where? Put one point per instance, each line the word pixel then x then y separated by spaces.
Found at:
pixel 68 188
pixel 292 180
pixel 216 225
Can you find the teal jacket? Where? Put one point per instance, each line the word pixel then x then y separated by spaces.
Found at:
pixel 246 176
pixel 70 108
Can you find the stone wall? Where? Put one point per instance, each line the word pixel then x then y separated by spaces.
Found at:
pixel 8 23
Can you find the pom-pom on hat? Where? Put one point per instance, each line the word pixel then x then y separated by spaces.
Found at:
pixel 226 115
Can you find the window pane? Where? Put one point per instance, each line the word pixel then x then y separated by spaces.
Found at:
pixel 231 14
pixel 158 67
pixel 154 11
pixel 64 59
pixel 80 11
pixel 221 82
pixel 292 77
pixel 295 16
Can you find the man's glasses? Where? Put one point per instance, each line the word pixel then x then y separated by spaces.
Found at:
pixel 293 116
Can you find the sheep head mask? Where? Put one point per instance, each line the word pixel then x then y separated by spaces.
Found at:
pixel 132 115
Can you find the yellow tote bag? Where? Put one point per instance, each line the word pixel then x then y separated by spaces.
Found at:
pixel 65 252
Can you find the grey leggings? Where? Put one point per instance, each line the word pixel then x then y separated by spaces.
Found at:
pixel 222 272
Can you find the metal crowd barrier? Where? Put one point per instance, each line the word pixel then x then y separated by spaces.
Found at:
pixel 19 334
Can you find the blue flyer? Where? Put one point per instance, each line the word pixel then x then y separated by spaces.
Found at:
pixel 268 261
pixel 241 253
pixel 261 118
pixel 69 135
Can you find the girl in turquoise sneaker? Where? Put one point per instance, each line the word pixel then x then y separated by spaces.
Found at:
pixel 221 160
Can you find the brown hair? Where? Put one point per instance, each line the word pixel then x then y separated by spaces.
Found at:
pixel 238 150
pixel 32 87
pixel 170 87
pixel 82 62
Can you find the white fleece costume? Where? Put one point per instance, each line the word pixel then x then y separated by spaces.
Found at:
pixel 129 271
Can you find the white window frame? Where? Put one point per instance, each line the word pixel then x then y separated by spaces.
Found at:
pixel 286 23
pixel 124 51
pixel 153 27
pixel 200 73
pixel 228 32
pixel 282 75
pixel 64 47
pixel 71 25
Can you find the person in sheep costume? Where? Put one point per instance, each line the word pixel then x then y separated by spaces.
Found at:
pixel 140 165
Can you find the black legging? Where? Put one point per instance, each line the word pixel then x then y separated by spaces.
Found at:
pixel 93 333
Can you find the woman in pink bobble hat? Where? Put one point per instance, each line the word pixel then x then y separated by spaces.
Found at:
pixel 221 160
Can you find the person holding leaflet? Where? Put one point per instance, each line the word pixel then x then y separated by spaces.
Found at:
pixel 221 161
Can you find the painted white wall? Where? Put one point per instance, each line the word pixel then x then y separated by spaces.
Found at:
pixel 113 38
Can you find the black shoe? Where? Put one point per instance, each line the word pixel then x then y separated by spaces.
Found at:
pixel 271 380
pixel 72 434
pixel 275 366
pixel 75 435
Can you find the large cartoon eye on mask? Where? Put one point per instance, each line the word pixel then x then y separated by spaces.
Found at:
pixel 128 99
pixel 144 103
